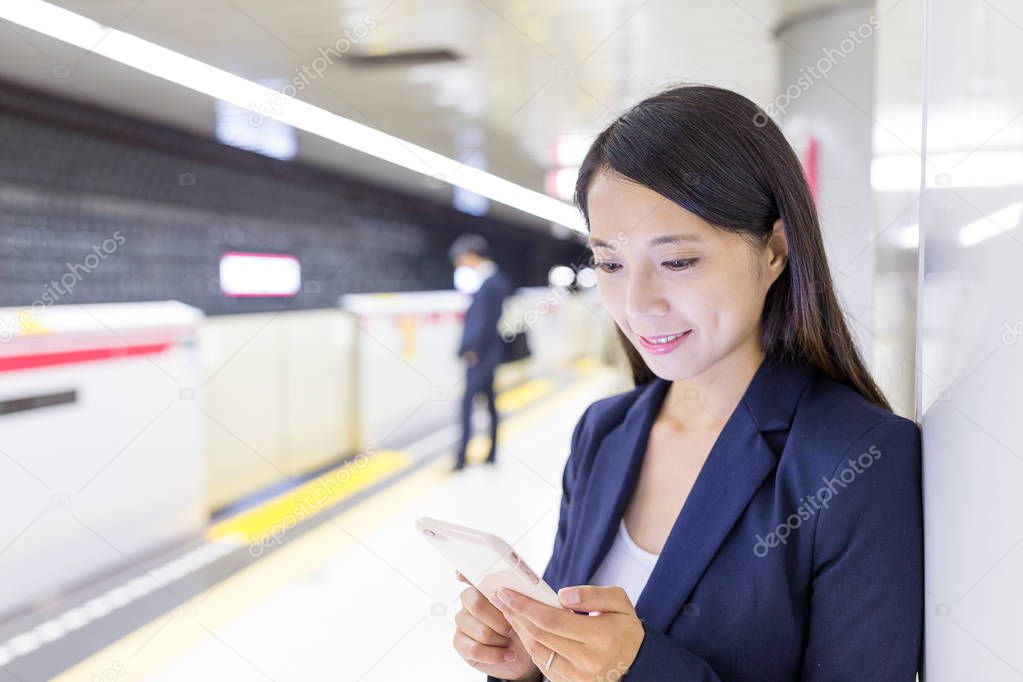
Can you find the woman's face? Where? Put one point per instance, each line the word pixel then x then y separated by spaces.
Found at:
pixel 663 271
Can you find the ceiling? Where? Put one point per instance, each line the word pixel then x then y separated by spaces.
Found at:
pixel 531 72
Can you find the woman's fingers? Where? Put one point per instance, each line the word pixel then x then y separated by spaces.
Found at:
pixel 479 606
pixel 554 620
pixel 476 629
pixel 562 668
pixel 536 639
pixel 475 652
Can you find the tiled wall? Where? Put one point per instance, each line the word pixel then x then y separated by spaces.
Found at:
pixel 137 212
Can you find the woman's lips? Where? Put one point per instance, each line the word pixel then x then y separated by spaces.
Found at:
pixel 663 344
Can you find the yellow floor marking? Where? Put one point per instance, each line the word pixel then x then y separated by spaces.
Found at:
pixel 517 398
pixel 312 497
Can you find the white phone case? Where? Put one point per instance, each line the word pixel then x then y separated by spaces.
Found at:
pixel 487 561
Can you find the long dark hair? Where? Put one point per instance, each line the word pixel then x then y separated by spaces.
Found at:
pixel 718 155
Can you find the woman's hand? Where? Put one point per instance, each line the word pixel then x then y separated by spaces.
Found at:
pixel 599 646
pixel 486 641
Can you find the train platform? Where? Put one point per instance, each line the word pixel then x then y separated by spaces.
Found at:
pixel 327 580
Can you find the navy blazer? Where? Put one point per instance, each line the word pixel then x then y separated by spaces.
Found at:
pixel 480 333
pixel 798 554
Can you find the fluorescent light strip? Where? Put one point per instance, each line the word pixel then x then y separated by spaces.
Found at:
pixel 150 58
pixel 980 168
pixel 996 224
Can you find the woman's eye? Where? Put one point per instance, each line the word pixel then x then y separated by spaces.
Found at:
pixel 674 264
pixel 680 263
pixel 606 266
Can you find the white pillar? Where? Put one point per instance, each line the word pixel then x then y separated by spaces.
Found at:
pixel 824 103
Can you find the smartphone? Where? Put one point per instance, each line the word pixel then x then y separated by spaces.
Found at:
pixel 486 561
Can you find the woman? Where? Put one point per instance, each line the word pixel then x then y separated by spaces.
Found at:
pixel 751 510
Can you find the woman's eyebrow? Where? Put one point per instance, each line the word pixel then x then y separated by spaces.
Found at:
pixel 676 238
pixel 656 241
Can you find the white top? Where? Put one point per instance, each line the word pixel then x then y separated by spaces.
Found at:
pixel 626 564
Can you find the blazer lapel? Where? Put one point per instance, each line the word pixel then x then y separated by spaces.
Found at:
pixel 736 466
pixel 610 482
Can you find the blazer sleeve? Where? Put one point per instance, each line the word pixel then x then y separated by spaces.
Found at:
pixel 866 607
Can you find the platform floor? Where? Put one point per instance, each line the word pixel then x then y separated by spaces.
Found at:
pixel 361 596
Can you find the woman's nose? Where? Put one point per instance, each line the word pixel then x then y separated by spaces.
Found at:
pixel 643 299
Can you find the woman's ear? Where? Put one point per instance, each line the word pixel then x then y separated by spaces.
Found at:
pixel 777 250
pixel 779 243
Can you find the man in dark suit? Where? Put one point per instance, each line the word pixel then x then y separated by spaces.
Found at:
pixel 482 347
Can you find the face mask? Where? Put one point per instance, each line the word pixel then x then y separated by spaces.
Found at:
pixel 467 279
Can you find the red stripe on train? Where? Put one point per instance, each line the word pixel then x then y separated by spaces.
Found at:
pixel 69 357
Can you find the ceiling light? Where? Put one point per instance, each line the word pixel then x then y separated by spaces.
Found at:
pixel 175 67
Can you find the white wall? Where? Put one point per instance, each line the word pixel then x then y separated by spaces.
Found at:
pixel 971 340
